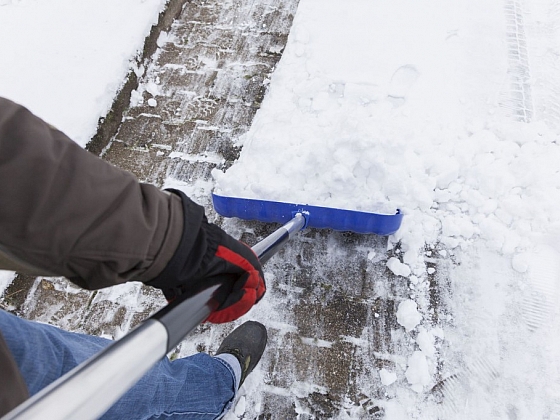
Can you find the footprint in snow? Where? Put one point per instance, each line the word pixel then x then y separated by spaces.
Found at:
pixel 401 81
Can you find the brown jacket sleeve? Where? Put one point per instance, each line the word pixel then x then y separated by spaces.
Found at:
pixel 64 211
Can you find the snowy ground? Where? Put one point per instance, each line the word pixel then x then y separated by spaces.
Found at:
pixel 447 111
pixel 66 62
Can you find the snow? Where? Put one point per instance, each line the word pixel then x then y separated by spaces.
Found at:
pixel 445 110
pixel 418 374
pixel 66 61
pixel 6 278
pixel 239 409
pixel 408 315
pixel 397 267
pixel 425 340
pixel 387 377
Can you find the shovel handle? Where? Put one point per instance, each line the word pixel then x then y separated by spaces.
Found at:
pixel 173 316
pixel 91 388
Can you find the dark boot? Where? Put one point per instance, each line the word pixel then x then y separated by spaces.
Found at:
pixel 246 343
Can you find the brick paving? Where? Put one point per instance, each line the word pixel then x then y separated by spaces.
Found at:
pixel 330 309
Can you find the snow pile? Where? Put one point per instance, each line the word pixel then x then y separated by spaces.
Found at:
pixel 352 123
pixel 66 62
pixel 426 106
pixel 429 107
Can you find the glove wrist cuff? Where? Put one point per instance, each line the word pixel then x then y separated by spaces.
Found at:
pixel 192 247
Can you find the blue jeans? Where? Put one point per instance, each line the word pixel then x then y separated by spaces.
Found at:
pixel 196 387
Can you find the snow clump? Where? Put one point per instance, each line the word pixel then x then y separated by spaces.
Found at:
pixel 398 268
pixel 408 315
pixel 425 341
pixel 387 377
pixel 418 372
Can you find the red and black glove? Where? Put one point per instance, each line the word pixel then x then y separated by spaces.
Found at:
pixel 207 256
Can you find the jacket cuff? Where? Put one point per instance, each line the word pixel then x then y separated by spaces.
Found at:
pixel 191 249
pixel 171 242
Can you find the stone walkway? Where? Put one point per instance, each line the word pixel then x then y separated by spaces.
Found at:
pixel 331 302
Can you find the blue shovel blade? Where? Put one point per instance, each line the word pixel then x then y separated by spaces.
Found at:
pixel 316 216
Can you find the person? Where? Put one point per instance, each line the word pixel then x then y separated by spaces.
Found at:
pixel 66 212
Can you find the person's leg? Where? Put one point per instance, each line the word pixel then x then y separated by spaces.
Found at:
pixel 196 387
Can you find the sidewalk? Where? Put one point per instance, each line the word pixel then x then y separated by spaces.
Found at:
pixel 330 331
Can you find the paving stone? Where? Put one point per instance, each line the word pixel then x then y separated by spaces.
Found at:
pixel 335 307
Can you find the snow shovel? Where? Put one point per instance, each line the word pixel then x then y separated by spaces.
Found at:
pixel 91 388
pixel 315 216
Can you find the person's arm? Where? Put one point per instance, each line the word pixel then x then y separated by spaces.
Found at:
pixel 64 211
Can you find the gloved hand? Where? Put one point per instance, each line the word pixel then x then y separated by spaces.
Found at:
pixel 232 261
pixel 206 256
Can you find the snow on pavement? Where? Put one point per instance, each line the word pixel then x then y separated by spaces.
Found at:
pixel 6 277
pixel 445 110
pixel 66 61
